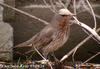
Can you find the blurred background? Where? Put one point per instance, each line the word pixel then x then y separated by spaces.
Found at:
pixel 25 27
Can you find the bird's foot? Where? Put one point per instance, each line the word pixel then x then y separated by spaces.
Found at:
pixel 43 61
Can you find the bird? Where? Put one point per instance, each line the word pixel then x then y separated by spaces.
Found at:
pixel 53 36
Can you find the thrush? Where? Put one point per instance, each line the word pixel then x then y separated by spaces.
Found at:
pixel 53 36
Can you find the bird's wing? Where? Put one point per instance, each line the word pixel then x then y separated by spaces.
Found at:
pixel 41 38
pixel 52 46
pixel 57 42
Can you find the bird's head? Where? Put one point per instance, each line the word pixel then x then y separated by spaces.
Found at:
pixel 65 12
pixel 63 17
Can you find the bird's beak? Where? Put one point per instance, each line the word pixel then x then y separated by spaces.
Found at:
pixel 73 14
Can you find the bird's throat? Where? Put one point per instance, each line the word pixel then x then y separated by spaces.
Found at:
pixel 63 24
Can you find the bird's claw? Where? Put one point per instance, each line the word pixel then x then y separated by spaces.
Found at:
pixel 43 61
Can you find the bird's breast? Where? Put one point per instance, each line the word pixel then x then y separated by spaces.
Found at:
pixel 63 24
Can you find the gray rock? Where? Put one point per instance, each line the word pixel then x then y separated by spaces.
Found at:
pixel 9 14
pixel 6 42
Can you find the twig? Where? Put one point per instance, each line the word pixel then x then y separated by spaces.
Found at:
pixel 92 31
pixel 52 5
pixel 43 57
pixel 68 2
pixel 92 11
pixel 53 10
pixel 95 23
pixel 37 6
pixel 62 4
pixel 84 29
pixel 74 4
pixel 77 46
pixel 89 11
pixel 23 12
pixel 91 58
pixel 39 53
pixel 79 4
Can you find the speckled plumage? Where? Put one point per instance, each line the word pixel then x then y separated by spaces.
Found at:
pixel 52 37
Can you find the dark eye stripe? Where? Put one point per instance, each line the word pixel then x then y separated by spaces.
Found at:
pixel 64 15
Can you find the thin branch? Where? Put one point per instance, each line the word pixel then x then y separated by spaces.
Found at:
pixel 79 4
pixel 62 4
pixel 53 10
pixel 37 6
pixel 87 9
pixel 81 43
pixel 93 16
pixel 92 31
pixel 52 5
pixel 92 11
pixel 91 58
pixel 39 53
pixel 74 4
pixel 23 12
pixel 68 2
pixel 43 58
pixel 77 46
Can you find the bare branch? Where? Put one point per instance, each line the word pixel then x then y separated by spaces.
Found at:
pixel 39 53
pixel 74 4
pixel 79 4
pixel 82 42
pixel 37 6
pixel 68 2
pixel 92 11
pixel 77 46
pixel 87 9
pixel 25 13
pixel 62 4
pixel 88 28
pixel 43 58
pixel 52 5
pixel 91 58
pixel 53 10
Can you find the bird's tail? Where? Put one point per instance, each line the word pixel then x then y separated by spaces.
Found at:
pixel 27 43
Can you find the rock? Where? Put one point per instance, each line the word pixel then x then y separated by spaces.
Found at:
pixel 6 42
pixel 9 14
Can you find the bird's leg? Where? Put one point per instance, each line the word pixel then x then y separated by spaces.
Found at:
pixel 57 63
pixel 44 60
pixel 45 55
pixel 54 57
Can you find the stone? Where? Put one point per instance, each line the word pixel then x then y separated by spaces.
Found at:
pixel 9 14
pixel 6 42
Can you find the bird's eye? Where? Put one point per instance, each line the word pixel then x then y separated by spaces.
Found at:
pixel 64 15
